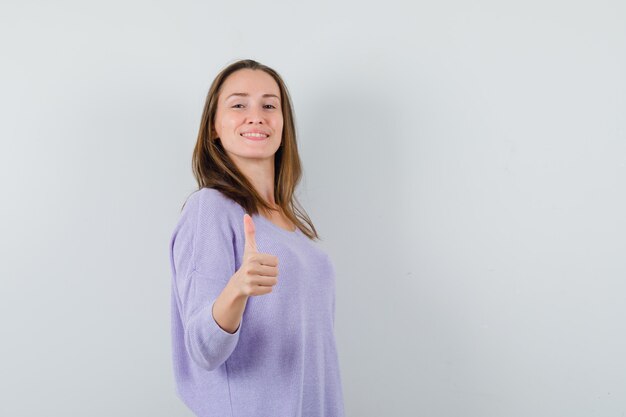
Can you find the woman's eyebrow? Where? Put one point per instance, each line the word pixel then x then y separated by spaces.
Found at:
pixel 247 95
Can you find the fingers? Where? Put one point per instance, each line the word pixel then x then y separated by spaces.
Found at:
pixel 264 281
pixel 263 270
pixel 255 284
pixel 263 259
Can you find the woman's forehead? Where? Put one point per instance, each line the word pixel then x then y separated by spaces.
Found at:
pixel 246 83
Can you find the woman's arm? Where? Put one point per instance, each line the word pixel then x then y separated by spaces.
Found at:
pixel 228 308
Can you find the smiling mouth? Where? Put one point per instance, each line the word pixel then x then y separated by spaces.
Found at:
pixel 255 136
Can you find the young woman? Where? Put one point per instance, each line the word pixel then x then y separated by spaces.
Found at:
pixel 253 297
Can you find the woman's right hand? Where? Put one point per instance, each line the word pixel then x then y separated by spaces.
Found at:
pixel 259 271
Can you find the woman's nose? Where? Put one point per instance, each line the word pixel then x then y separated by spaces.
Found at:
pixel 255 115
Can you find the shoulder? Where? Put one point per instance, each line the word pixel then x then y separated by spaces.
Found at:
pixel 209 205
pixel 206 230
pixel 209 200
pixel 212 199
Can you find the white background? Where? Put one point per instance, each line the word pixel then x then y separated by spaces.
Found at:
pixel 465 164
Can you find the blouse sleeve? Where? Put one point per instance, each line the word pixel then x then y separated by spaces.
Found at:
pixel 203 257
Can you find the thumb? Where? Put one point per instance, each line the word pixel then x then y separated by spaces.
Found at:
pixel 249 231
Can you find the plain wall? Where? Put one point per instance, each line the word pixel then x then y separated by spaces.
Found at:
pixel 465 164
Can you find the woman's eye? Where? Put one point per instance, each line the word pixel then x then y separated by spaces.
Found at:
pixel 235 106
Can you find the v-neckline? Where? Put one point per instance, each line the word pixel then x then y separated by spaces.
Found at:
pixel 274 225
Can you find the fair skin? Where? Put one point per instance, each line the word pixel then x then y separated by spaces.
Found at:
pixel 250 102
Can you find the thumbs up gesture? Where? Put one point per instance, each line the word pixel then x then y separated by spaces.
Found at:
pixel 259 271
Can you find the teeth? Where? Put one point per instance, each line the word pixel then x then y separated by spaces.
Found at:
pixel 256 135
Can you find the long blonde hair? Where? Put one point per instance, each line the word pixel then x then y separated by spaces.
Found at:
pixel 213 168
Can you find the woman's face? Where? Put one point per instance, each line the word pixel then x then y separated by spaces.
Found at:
pixel 249 103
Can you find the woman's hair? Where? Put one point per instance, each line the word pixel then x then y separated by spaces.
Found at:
pixel 213 168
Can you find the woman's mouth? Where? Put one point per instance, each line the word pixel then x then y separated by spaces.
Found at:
pixel 254 136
